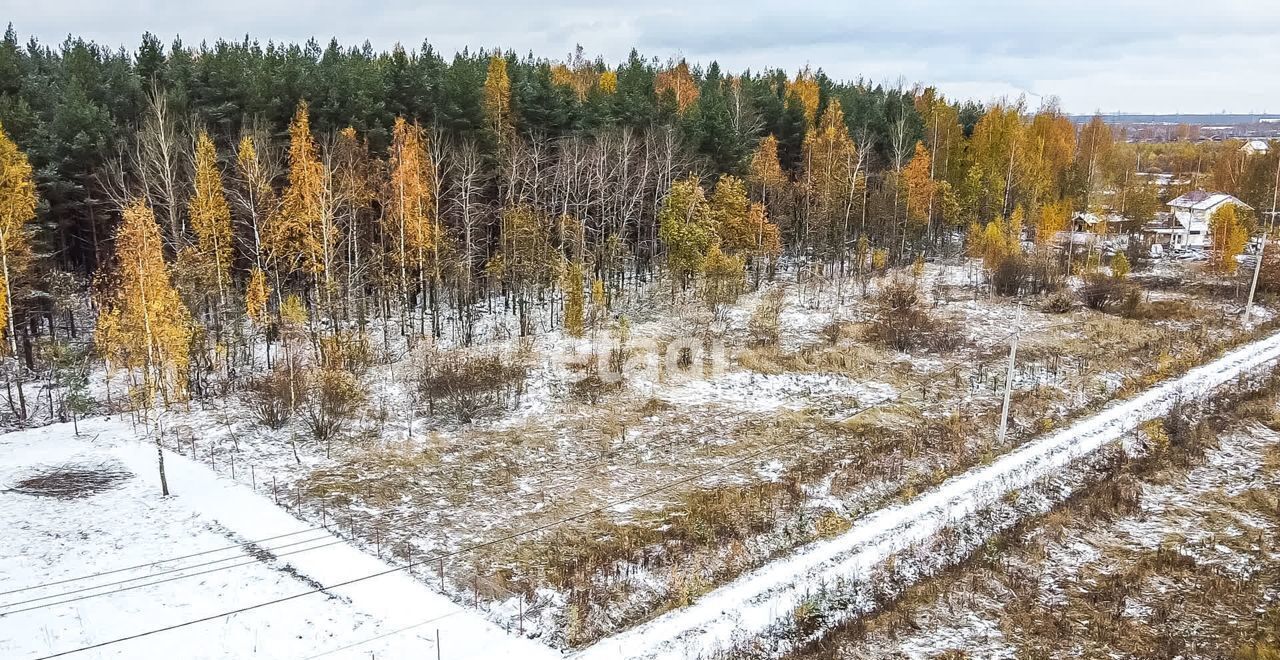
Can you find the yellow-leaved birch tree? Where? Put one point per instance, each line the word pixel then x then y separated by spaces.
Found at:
pixel 409 204
pixel 497 98
pixel 211 219
pixel 17 209
pixel 148 328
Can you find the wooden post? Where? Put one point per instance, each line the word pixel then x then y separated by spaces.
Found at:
pixel 164 481
pixel 253 479
pixel 1008 381
pixel 442 575
pixel 437 644
pixel 233 467
pixel 275 491
pixel 1262 246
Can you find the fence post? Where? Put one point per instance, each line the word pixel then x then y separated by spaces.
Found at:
pixel 275 493
pixel 253 479
pixel 233 467
pixel 442 575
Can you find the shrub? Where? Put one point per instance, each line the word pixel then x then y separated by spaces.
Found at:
pixel 347 350
pixel 724 276
pixel 879 259
pixel 1043 274
pixel 1059 303
pixel 619 353
pixel 763 327
pixel 833 331
pixel 471 386
pixel 333 398
pixel 1269 274
pixel 807 617
pixel 900 321
pixel 1130 301
pixel 1009 275
pixel 273 398
pixel 1099 291
pixel 1120 266
pixel 591 388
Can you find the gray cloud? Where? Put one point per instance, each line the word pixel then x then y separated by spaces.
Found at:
pixel 1184 55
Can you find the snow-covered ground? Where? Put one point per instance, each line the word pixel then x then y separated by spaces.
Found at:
pixel 441 487
pixel 1203 515
pixel 756 601
pixel 48 540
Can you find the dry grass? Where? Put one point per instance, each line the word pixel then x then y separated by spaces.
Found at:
pixel 1133 600
pixel 623 566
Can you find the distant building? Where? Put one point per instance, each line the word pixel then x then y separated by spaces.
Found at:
pixel 1112 222
pixel 1255 148
pixel 1186 225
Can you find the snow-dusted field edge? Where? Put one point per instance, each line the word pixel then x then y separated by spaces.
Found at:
pixel 755 602
pixel 394 615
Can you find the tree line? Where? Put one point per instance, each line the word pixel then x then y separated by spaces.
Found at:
pixel 223 197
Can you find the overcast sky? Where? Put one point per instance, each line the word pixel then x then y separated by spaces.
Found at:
pixel 1163 56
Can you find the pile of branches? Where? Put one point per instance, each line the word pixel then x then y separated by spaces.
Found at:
pixel 71 480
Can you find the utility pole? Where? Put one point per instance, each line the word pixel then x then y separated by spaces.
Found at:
pixel 1262 246
pixel 1008 380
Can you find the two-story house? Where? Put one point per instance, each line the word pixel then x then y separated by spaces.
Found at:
pixel 1189 217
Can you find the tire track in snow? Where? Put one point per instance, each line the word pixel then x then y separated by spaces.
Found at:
pixel 749 605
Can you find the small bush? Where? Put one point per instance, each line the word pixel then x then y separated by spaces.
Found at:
pixel 831 524
pixel 592 388
pixel 346 350
pixel 807 618
pixel 1009 276
pixel 274 398
pixel 763 327
pixel 1060 302
pixel 619 353
pixel 1099 291
pixel 1120 266
pixel 1130 302
pixel 833 331
pixel 333 398
pixel 1167 310
pixel 471 386
pixel 900 321
pixel 1044 274
pixel 723 279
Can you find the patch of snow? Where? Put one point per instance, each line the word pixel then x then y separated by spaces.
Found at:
pixel 49 540
pixel 754 602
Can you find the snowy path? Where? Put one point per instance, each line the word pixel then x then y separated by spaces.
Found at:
pixel 748 606
pixel 392 616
